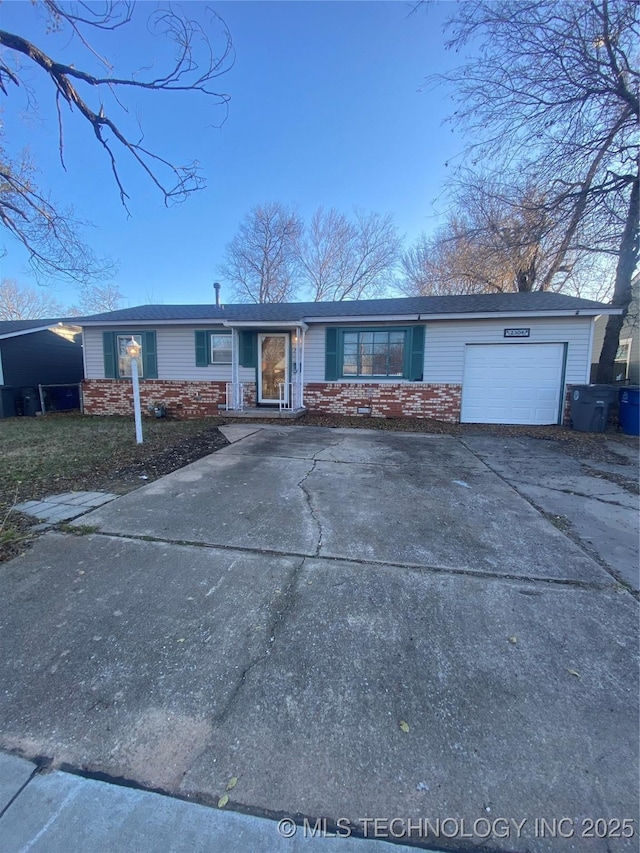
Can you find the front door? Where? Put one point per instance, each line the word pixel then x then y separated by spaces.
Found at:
pixel 273 360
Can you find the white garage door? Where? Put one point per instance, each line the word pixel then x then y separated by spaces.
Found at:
pixel 512 383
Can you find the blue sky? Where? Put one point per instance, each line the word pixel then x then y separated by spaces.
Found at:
pixel 326 109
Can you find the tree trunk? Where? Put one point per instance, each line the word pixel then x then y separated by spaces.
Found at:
pixel 622 294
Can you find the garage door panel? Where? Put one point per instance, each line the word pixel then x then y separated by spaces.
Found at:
pixel 512 383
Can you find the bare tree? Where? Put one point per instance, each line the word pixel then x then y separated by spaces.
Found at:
pixel 50 234
pixel 550 92
pixel 261 262
pixel 499 238
pixel 27 303
pixel 96 298
pixel 343 259
pixel 448 262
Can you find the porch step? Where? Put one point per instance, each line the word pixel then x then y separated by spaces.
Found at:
pixel 266 413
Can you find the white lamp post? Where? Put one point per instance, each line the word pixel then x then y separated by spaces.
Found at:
pixel 133 351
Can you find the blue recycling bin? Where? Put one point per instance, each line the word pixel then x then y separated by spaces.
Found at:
pixel 629 410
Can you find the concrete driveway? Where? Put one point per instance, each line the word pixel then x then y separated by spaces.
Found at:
pixel 355 625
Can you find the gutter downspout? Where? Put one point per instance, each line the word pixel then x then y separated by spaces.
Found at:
pixel 592 329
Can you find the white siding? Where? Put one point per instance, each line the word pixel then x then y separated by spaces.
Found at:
pixel 444 348
pixel 314 354
pixel 315 349
pixel 93 357
pixel 176 355
pixel 445 343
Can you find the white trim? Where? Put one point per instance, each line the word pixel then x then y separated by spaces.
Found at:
pixel 302 348
pixel 211 324
pixel 208 324
pixel 84 356
pixel 220 333
pixel 628 342
pixel 497 315
pixel 487 315
pixel 364 318
pixel 265 324
pixel 287 344
pixel 1 373
pixel 6 335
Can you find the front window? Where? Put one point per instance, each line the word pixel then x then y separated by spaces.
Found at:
pixel 375 353
pixel 220 349
pixel 124 360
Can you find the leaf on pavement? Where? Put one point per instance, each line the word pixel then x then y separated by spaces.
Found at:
pixel 404 726
pixel 222 802
pixel 231 784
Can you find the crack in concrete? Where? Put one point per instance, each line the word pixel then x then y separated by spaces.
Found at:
pixel 628 484
pixel 601 498
pixel 312 512
pixel 566 530
pixel 284 606
pixel 307 493
pixel 481 574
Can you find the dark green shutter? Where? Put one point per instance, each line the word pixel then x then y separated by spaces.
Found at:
pixel 149 355
pixel 248 349
pixel 331 355
pixel 202 348
pixel 109 351
pixel 416 359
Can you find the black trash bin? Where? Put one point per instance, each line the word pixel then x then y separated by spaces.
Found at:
pixel 590 407
pixel 30 401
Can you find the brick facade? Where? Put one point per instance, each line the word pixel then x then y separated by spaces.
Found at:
pixel 191 399
pixel 183 399
pixel 386 399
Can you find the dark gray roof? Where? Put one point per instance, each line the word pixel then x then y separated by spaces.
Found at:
pixel 10 327
pixel 497 303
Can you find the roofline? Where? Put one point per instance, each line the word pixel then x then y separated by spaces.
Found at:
pixel 186 322
pixel 359 318
pixel 479 315
pixel 486 315
pixel 35 329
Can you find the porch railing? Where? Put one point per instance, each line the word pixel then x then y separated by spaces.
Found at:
pixel 234 401
pixel 289 396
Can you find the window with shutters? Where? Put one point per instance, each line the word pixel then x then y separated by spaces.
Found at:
pixel 213 346
pixel 380 353
pixel 220 348
pixel 374 353
pixel 117 363
pixel 124 359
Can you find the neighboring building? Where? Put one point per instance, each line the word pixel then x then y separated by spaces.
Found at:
pixel 627 365
pixel 490 358
pixel 34 353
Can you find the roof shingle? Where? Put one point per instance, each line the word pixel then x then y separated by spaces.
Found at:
pixel 294 311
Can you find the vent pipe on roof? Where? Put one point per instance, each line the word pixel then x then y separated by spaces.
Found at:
pixel 216 287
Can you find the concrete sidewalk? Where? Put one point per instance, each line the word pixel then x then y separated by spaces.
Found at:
pixel 354 625
pixel 58 813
